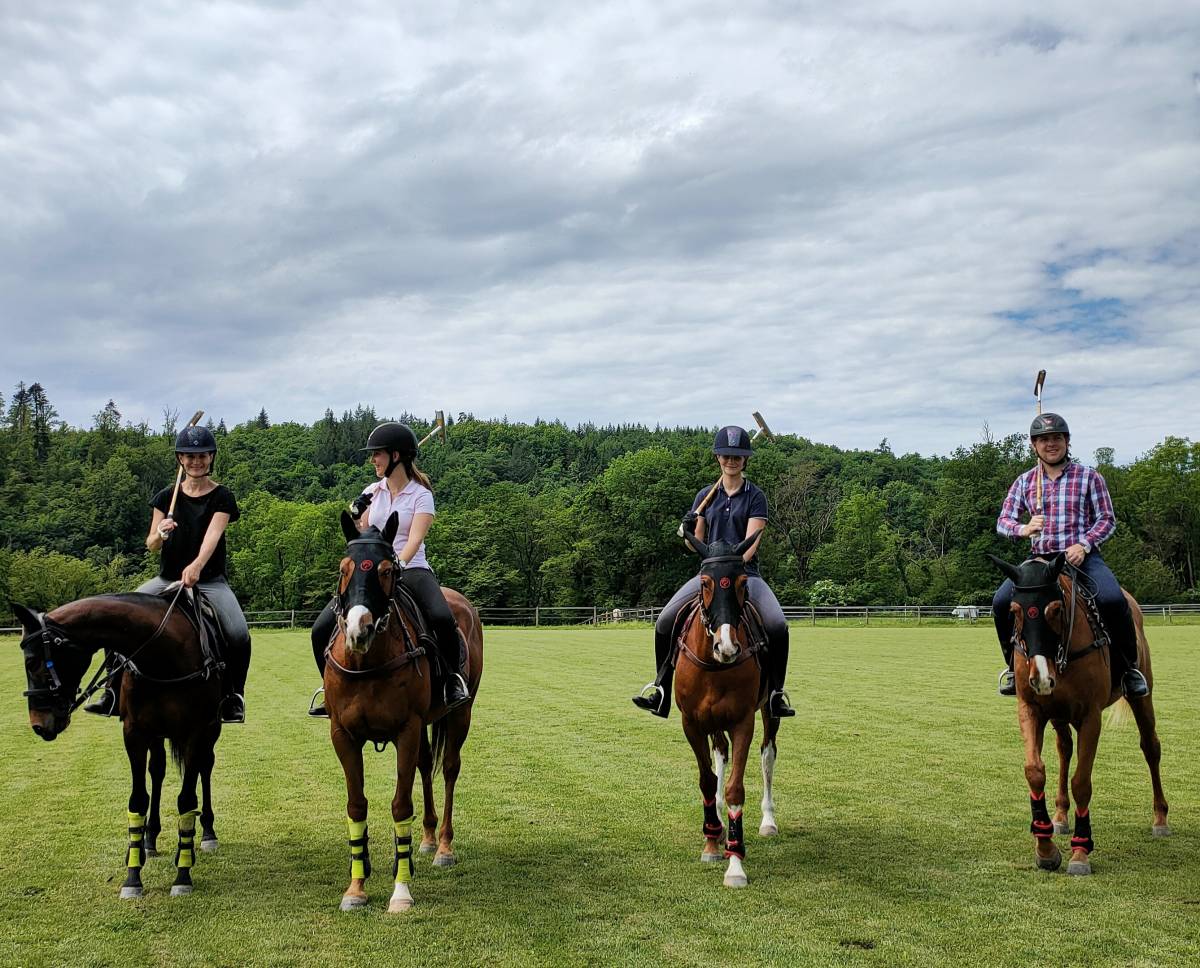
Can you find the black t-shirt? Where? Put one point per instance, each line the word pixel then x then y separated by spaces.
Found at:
pixel 727 518
pixel 193 515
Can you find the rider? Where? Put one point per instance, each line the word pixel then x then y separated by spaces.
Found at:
pixel 193 552
pixel 739 511
pixel 1075 515
pixel 402 487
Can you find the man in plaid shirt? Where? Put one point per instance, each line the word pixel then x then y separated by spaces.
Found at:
pixel 1075 516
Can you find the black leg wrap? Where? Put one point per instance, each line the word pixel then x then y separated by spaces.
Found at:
pixel 712 822
pixel 1083 833
pixel 735 845
pixel 1041 827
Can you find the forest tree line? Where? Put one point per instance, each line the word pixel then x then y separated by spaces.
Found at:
pixel 547 514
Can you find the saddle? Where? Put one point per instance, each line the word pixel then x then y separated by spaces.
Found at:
pixel 198 610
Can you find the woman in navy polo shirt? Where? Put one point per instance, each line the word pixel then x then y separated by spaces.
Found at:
pixel 738 511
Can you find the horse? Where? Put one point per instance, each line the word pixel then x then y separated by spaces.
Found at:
pixel 719 685
pixel 378 677
pixel 1062 670
pixel 172 691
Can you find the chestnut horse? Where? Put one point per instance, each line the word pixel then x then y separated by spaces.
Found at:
pixel 172 691
pixel 378 673
pixel 719 684
pixel 1062 670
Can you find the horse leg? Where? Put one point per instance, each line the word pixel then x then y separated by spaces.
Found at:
pixel 720 759
pixel 714 832
pixel 158 771
pixel 408 745
pixel 1081 790
pixel 1143 713
pixel 139 800
pixel 735 797
pixel 349 752
pixel 767 753
pixel 208 832
pixel 429 817
pixel 456 736
pixel 1062 803
pixel 1046 856
pixel 196 756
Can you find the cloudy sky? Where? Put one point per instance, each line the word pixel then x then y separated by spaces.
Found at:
pixel 865 219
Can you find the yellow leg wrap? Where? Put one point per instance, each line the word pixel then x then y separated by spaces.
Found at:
pixel 136 855
pixel 185 856
pixel 404 858
pixel 358 848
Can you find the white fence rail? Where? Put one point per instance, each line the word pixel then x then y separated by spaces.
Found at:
pixel 561 615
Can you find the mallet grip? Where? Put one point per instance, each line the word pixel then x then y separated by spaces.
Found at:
pixel 703 504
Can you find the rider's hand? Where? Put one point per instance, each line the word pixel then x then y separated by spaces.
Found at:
pixel 166 526
pixel 689 522
pixel 191 575
pixel 358 507
pixel 1075 554
pixel 1034 527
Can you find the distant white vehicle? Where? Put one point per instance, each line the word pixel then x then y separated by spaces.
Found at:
pixel 966 613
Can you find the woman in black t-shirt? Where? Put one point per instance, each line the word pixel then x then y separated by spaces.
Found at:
pixel 193 552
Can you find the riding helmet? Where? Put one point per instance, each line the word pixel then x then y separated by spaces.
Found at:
pixel 195 440
pixel 1048 423
pixel 733 441
pixel 393 436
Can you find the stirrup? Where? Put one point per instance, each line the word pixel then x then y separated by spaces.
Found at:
pixel 103 705
pixel 318 709
pixel 1008 683
pixel 457 693
pixel 653 698
pixel 1133 684
pixel 779 706
pixel 233 708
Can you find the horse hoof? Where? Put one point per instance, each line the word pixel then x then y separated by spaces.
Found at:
pixel 209 844
pixel 152 852
pixel 1160 830
pixel 352 902
pixel 445 860
pixel 130 892
pixel 768 830
pixel 1049 863
pixel 398 905
pixel 708 858
pixel 736 880
pixel 179 890
pixel 1061 828
pixel 1079 867
pixel 428 848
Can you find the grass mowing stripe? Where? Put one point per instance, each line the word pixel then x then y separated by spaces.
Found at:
pixel 899 791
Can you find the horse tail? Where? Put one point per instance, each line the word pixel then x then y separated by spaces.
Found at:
pixel 1119 714
pixel 437 742
pixel 177 755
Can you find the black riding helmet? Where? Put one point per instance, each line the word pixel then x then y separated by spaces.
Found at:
pixel 732 441
pixel 394 437
pixel 195 440
pixel 1048 423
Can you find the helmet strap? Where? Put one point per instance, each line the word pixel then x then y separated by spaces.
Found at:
pixel 394 461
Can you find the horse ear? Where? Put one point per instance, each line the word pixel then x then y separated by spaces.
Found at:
pixel 697 545
pixel 27 617
pixel 744 546
pixel 1011 571
pixel 392 526
pixel 349 528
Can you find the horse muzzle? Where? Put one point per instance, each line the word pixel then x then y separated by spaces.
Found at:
pixel 1041 676
pixel 360 629
pixel 725 647
pixel 48 725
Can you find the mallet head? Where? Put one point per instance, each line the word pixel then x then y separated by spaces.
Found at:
pixel 763 429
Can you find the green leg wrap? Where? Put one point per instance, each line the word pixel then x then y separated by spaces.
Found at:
pixel 358 849
pixel 404 858
pixel 185 855
pixel 135 856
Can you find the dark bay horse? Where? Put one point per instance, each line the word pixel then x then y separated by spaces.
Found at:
pixel 378 674
pixel 1063 677
pixel 719 685
pixel 172 692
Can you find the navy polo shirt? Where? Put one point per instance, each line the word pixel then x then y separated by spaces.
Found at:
pixel 728 517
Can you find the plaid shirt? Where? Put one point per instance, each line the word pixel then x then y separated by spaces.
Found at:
pixel 1077 507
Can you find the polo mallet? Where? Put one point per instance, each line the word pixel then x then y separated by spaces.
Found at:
pixel 763 429
pixel 1037 392
pixel 703 504
pixel 178 480
pixel 439 428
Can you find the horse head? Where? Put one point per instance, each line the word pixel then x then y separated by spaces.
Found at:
pixel 54 667
pixel 723 583
pixel 1038 613
pixel 367 579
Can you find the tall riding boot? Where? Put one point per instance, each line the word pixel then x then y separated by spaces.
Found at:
pixel 457 692
pixel 1008 683
pixel 778 705
pixel 105 703
pixel 1124 641
pixel 322 632
pixel 656 696
pixel 233 705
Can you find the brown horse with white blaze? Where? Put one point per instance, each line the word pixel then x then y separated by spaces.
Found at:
pixel 378 677
pixel 719 686
pixel 1063 677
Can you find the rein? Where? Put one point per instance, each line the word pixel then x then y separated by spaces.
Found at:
pixel 749 651
pixel 1100 636
pixel 411 651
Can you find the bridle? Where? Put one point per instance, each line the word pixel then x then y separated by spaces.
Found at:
pixel 380 624
pixel 1062 656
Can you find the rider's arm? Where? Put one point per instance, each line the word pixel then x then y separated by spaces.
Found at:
pixel 416 534
pixel 212 537
pixel 1100 510
pixel 1009 522
pixel 154 540
pixel 755 526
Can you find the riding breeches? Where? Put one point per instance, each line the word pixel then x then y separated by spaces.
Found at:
pixel 233 625
pixel 1111 601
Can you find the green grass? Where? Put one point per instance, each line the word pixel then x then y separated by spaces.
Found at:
pixel 899 792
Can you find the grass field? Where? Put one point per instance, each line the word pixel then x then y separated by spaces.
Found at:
pixel 899 792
